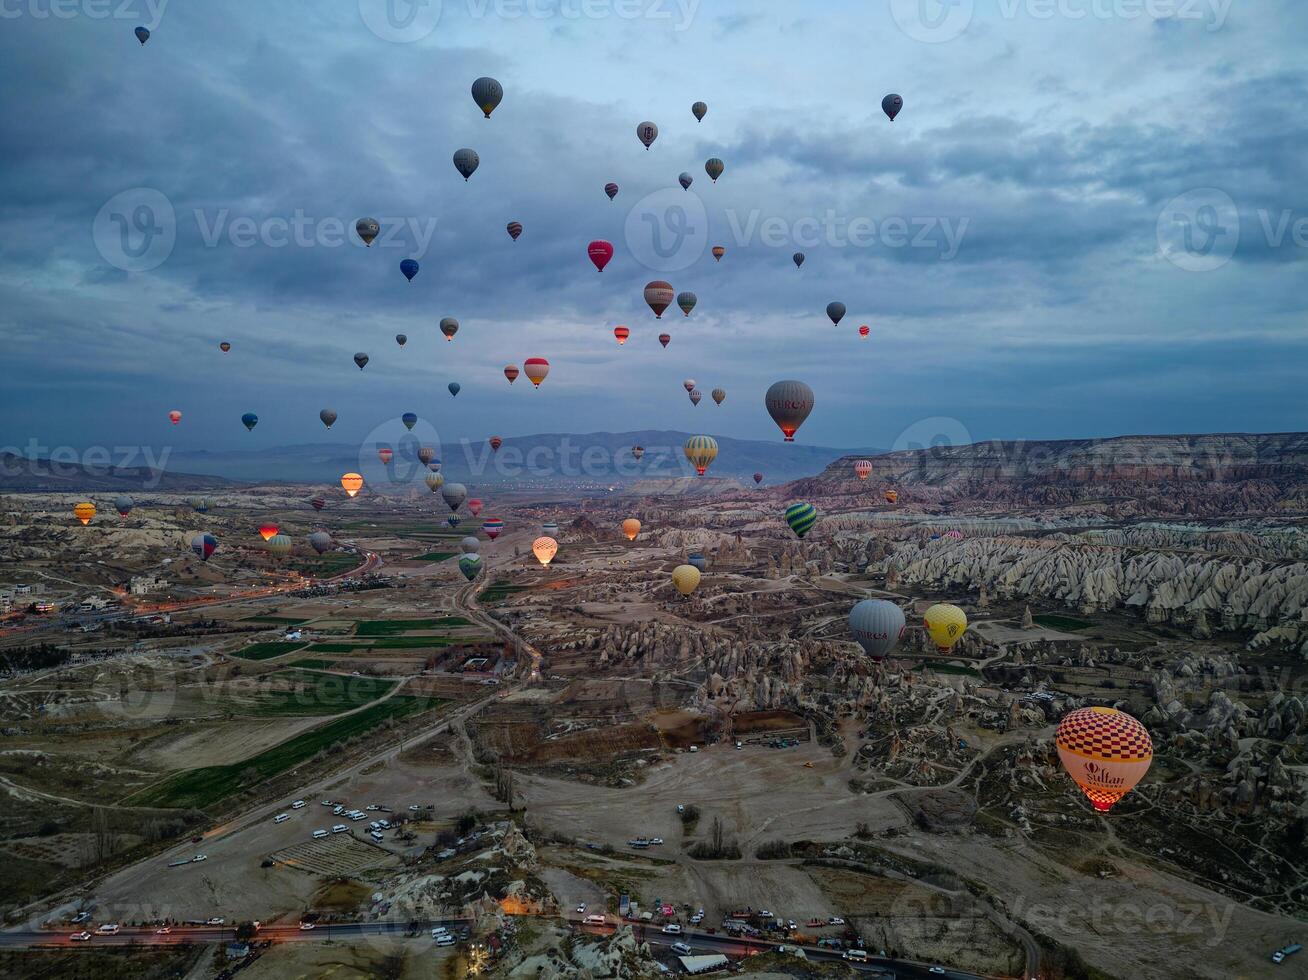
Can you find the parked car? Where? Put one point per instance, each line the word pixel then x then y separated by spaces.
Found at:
pixel 217 920
pixel 339 828
pixel 936 969
pixel 581 909
pixel 200 857
pixel 835 920
pixel 298 805
pixel 656 840
pixel 446 940
pixel 306 926
pixel 109 929
pixel 80 937
pixel 672 929
pixel 855 955
pixel 318 834
pixel 681 949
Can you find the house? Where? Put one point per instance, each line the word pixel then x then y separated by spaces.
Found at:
pixel 238 951
pixel 145 584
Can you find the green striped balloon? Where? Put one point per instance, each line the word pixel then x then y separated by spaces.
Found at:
pixel 801 517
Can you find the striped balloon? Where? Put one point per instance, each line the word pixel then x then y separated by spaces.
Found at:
pixel 1105 751
pixel 492 526
pixel 701 451
pixel 470 565
pixel 801 518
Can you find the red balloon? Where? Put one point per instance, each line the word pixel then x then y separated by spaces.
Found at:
pixel 600 252
pixel 665 339
pixel 511 372
pixel 864 330
pixel 622 333
pixel 495 443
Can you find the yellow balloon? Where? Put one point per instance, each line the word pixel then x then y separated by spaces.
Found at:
pixel 685 578
pixel 84 512
pixel 631 527
pixel 946 624
pixel 352 483
pixel 544 548
pixel 701 451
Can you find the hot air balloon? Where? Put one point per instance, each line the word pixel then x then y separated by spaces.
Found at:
pixel 718 252
pixel 789 404
pixel 758 478
pixel 204 545
pixel 685 180
pixel 622 333
pixel 470 545
pixel 449 327
pixel 685 578
pixel 224 347
pixel 665 339
pixel 511 372
pixel 401 339
pixel 864 330
pixel 487 93
pixel 877 625
pixel 798 259
pixel 863 468
pixel 367 229
pixel 351 483
pixel 385 454
pixel 199 504
pixel 361 359
pixel 698 561
pixel 84 512
pixel 434 481
pixel 492 527
pixel 1105 751
pixel 537 368
pixel 279 545
pixel 687 302
pixel 714 167
pixel 544 548
pixel 454 494
pixel 317 503
pixel 836 311
pixel 699 109
pixel 638 451
pixel 695 396
pixel 550 528
pixel 647 133
pixel 611 189
pixel 454 388
pixel 426 454
pixel 266 531
pixel 891 497
pixel 801 518
pixel 466 162
pixel 600 253
pixel 452 520
pixel 249 420
pixel 327 416
pixel 659 295
pixel 174 416
pixel 321 542
pixel 631 528
pixel 891 105
pixel 142 34
pixel 688 384
pixel 718 395
pixel 514 229
pixel 945 624
pixel 474 506
pixel 495 443
pixel 701 451
pixel 409 267
pixel 470 565
pixel 123 504
pixel 410 419
pixel 955 534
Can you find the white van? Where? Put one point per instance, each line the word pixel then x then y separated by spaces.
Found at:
pixel 281 818
pixel 446 939
pixel 595 919
pixel 376 835
pixel 319 834
pixel 108 929
pixel 298 804
pixel 340 828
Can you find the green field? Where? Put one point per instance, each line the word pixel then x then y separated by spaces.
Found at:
pixel 311 664
pixel 266 651
pixel 275 620
pixel 394 627
pixel 1055 622
pixel 322 694
pixel 434 556
pixel 391 643
pixel 200 788
pixel 499 590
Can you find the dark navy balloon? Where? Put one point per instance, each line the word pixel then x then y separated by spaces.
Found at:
pixel 409 419
pixel 454 387
pixel 250 420
pixel 410 268
pixel 142 34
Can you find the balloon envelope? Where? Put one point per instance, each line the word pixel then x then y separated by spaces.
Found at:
pixel 685 180
pixel 701 451
pixel 224 347
pixel 665 339
pixel 470 565
pixel 466 161
pixel 718 395
pixel 600 253
pixel 434 481
pixel 410 268
pixel 621 333
pixel 891 105
pixel 798 259
pixel 687 301
pixel 511 372
pixel 699 109
pixel 1105 751
pixel 454 387
pixel 454 494
pixel 142 34
pixel 204 545
pixel 410 419
pixel 801 517
pixel 487 93
pixel 695 396
pixel 714 167
pixel 84 512
pixel 864 330
pixel 659 296
pixel 123 504
pixel 685 578
pixel 877 625
pixel 279 545
pixel 863 468
pixel 321 542
pixel 789 403
pixel 945 624
pixel 351 483
pixel 249 420
pixel 492 527
pixel 836 311
pixel 718 252
pixel 537 368
pixel 317 503
pixel 469 545
pixel 698 560
pixel 367 229
pixel 631 528
pixel 267 531
pixel 647 133
pixel 327 416
pixel 361 359
pixel 449 327
pixel 544 548
pixel 758 477
pixel 611 189
pixel 401 339
pixel 514 229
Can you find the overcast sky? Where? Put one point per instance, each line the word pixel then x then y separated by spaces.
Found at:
pixel 1088 220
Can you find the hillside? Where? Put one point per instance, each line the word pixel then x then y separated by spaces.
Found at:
pixel 21 475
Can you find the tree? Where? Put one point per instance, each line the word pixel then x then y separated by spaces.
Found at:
pixel 245 931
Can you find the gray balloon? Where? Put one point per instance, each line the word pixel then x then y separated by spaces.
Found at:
pixel 401 339
pixel 327 416
pixel 321 541
pixel 699 109
pixel 891 105
pixel 454 494
pixel 647 133
pixel 361 359
pixel 487 93
pixel 714 167
pixel 123 505
pixel 798 259
pixel 466 162
pixel 470 545
pixel 836 310
pixel 685 180
pixel 877 625
pixel 367 229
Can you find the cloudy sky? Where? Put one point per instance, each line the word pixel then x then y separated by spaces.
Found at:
pixel 1088 220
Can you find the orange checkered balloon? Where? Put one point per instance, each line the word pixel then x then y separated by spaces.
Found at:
pixel 1105 751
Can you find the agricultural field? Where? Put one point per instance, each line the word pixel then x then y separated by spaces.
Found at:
pixel 268 650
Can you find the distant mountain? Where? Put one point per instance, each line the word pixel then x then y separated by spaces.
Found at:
pixel 21 475
pixel 547 459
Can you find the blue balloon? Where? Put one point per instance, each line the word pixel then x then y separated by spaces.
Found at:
pixel 452 520
pixel 410 268
pixel 409 420
pixel 142 34
pixel 250 420
pixel 455 387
